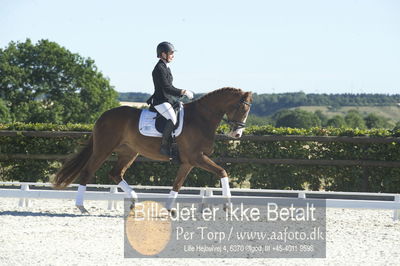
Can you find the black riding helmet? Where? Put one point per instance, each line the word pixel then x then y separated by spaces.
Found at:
pixel 165 47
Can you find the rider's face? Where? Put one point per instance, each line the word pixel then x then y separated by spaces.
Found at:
pixel 168 57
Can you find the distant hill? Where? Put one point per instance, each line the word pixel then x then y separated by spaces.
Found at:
pixel 268 104
pixel 390 112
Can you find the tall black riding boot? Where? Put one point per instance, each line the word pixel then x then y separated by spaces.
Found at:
pixel 166 142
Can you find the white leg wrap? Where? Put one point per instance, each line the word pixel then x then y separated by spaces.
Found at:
pixel 127 189
pixel 226 191
pixel 79 195
pixel 171 199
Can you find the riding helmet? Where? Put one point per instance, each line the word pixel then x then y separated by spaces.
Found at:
pixel 165 47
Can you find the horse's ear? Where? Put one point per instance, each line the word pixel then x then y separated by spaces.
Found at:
pixel 248 95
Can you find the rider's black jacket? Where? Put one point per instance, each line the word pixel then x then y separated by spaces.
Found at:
pixel 164 91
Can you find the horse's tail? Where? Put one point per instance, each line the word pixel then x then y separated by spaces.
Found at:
pixel 73 166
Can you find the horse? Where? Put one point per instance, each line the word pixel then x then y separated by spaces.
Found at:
pixel 117 131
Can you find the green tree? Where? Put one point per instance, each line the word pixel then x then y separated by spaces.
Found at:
pixel 322 117
pixel 298 119
pixel 397 126
pixel 375 121
pixel 254 120
pixel 5 116
pixel 354 120
pixel 336 121
pixel 278 115
pixel 45 82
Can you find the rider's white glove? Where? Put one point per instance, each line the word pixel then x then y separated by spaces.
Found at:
pixel 188 94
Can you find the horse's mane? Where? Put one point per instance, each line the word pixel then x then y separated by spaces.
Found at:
pixel 218 91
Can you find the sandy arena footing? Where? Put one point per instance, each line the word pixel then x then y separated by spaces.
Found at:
pixel 53 232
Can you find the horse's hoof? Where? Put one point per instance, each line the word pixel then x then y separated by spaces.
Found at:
pixel 172 213
pixel 82 209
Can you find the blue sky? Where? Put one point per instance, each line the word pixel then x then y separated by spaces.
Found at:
pixel 340 46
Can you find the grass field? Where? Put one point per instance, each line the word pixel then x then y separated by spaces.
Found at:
pixel 391 112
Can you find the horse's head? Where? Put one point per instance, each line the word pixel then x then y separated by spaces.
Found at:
pixel 237 114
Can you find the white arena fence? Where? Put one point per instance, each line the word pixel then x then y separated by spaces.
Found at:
pixel 25 191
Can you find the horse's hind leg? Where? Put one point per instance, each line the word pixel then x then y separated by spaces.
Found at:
pixel 86 175
pixel 101 150
pixel 94 163
pixel 126 156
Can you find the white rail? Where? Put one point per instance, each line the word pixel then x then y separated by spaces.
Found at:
pixel 23 191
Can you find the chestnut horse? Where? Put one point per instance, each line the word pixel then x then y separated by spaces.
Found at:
pixel 117 131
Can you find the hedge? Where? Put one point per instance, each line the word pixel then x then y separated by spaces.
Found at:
pixel 334 178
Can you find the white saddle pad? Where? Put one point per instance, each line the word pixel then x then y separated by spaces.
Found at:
pixel 147 124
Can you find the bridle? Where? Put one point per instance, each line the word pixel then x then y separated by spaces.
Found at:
pixel 235 125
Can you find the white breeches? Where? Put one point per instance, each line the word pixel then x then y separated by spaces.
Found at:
pixel 166 110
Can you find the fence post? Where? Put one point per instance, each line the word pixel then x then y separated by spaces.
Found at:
pixel 202 196
pixel 205 193
pixel 301 195
pixel 112 204
pixel 396 212
pixel 24 202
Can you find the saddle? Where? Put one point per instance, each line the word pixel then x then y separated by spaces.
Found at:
pixel 152 124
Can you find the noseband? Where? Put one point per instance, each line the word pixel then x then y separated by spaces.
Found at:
pixel 235 125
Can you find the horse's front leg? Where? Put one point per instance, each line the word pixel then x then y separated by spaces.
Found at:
pixel 207 164
pixel 183 171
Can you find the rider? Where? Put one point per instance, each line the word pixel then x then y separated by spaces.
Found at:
pixel 165 94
